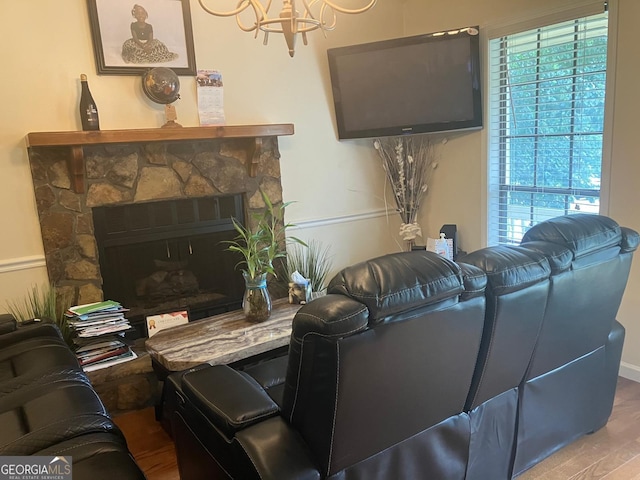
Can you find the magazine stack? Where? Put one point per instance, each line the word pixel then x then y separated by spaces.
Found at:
pixel 99 334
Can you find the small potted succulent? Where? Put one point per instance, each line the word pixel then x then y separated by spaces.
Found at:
pixel 260 244
pixel 313 262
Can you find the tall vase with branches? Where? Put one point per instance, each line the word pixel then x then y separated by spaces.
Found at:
pixel 408 162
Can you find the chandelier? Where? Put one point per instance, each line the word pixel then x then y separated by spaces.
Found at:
pixel 316 15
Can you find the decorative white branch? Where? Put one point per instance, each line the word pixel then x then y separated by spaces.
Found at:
pixel 409 162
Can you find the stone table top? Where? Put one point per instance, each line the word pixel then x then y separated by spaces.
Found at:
pixel 222 339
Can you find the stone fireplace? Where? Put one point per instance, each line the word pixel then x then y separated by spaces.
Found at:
pixel 211 179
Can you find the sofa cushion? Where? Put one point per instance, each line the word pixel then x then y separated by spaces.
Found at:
pixel 330 316
pixel 510 269
pixel 48 414
pixel 270 375
pixel 6 371
pixel 7 323
pixel 582 234
pixel 29 362
pixel 400 282
pixel 558 256
pixel 474 279
pixel 37 354
pixel 239 399
pixel 48 331
pixel 98 456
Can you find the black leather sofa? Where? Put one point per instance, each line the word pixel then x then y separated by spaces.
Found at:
pixel 48 407
pixel 415 367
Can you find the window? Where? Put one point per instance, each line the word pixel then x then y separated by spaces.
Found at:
pixel 546 121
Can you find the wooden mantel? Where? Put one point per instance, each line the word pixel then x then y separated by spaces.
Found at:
pixel 76 140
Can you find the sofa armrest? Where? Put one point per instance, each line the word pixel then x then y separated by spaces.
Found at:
pixel 7 323
pixel 229 399
pixel 277 452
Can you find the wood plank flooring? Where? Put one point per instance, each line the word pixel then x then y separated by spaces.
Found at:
pixel 612 453
pixel 150 445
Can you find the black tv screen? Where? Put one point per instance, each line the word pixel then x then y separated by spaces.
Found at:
pixel 420 84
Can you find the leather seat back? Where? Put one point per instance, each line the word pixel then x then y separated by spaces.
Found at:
pixel 517 290
pixel 389 353
pixel 581 309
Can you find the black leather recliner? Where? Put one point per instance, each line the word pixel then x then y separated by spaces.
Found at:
pixel 48 407
pixel 378 375
pixel 417 367
pixel 570 384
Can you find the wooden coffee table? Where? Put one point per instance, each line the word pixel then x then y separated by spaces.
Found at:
pixel 222 339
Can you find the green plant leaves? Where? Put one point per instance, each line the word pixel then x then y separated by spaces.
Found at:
pixel 41 302
pixel 264 243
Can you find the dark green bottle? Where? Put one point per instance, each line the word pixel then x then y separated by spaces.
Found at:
pixel 88 108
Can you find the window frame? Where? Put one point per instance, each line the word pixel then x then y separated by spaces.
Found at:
pixel 504 28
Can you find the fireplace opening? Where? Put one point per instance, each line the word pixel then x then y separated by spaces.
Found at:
pixel 161 256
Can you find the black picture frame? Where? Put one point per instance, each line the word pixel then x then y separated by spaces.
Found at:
pixel 170 22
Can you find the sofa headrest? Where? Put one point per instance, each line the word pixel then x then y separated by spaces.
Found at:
pixel 559 257
pixel 399 282
pixel 510 269
pixel 330 316
pixel 582 234
pixel 474 279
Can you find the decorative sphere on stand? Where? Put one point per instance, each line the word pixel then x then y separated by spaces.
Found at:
pixel 162 85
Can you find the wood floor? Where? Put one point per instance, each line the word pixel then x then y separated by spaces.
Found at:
pixel 612 453
pixel 150 445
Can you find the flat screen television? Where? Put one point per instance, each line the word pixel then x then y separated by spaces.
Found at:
pixel 419 84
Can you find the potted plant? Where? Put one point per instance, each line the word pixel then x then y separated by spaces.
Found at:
pixel 313 262
pixel 260 244
pixel 41 302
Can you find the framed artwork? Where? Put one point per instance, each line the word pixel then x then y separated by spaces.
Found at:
pixel 130 38
pixel 162 321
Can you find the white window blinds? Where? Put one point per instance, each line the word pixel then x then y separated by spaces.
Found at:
pixel 546 119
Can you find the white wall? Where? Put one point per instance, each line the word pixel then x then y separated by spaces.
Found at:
pixel 624 196
pixel 44 47
pixel 458 193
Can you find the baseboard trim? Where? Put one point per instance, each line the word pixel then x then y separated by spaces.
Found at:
pixel 22 263
pixel 303 224
pixel 629 371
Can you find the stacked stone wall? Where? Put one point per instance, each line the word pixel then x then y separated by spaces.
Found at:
pixel 134 173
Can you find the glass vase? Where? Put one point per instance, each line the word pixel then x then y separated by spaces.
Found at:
pixel 256 302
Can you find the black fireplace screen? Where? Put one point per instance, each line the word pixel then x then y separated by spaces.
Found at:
pixel 158 256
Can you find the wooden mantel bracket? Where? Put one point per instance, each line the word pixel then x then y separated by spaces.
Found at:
pixel 254 162
pixel 77 140
pixel 75 165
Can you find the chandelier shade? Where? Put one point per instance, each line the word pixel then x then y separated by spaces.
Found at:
pixel 316 15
